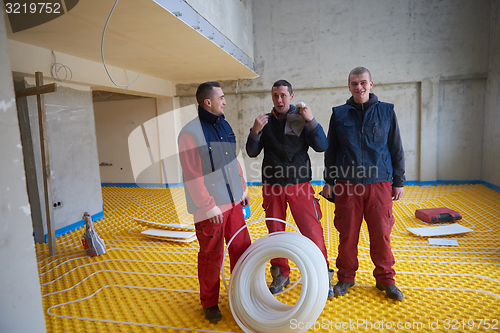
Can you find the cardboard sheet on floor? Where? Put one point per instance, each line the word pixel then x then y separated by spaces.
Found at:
pixel 443 241
pixel 451 229
pixel 170 235
pixel 165 226
pixel 180 226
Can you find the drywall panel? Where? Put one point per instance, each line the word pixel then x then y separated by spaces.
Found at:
pixel 20 301
pixel 460 130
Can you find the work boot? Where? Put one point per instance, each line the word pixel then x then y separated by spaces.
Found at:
pixel 212 314
pixel 279 281
pixel 330 287
pixel 391 291
pixel 341 288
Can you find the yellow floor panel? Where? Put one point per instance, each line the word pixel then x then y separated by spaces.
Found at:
pixel 147 285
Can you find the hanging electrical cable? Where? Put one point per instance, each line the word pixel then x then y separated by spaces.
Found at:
pixel 253 306
pixel 102 52
pixel 56 67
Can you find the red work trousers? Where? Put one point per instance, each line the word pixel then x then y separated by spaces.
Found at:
pixel 374 202
pixel 305 210
pixel 211 238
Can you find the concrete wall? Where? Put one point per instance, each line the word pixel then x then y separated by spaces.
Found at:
pixel 73 154
pixel 242 109
pixel 460 129
pixel 398 40
pixel 491 144
pixel 233 18
pixel 420 54
pixel 21 301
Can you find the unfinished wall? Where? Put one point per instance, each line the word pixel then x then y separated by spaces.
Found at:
pixel 28 59
pixel 20 301
pixel 398 40
pixel 412 49
pixel 115 121
pixel 233 18
pixel 72 152
pixel 138 137
pixel 460 130
pixel 491 157
pixel 242 109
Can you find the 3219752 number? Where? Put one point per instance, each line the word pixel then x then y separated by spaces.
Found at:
pixel 33 8
pixel 455 324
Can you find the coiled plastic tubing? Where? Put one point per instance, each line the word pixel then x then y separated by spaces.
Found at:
pixel 253 306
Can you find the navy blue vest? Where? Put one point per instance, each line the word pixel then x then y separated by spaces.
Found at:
pixel 363 151
pixel 216 145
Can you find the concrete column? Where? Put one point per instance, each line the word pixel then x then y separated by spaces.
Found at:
pixel 20 295
pixel 429 129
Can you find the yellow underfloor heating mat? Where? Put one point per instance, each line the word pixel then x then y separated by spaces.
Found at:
pixel 147 285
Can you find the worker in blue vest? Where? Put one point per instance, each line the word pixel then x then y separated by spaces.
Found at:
pixel 364 172
pixel 214 187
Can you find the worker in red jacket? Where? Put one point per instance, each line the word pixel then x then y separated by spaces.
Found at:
pixel 214 187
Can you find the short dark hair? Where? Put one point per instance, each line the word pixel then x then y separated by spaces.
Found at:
pixel 205 91
pixel 285 83
pixel 358 71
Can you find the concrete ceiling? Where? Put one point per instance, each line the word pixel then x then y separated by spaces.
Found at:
pixel 141 36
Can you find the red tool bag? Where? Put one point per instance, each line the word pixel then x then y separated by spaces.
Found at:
pixel 437 215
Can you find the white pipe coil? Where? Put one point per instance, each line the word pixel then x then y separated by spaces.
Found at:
pixel 253 306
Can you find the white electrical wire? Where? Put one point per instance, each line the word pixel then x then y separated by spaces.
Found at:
pixel 102 53
pixel 55 67
pixel 253 306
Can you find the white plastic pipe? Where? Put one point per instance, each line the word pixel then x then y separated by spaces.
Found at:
pixel 253 306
